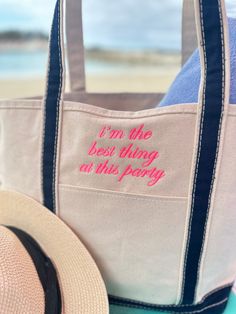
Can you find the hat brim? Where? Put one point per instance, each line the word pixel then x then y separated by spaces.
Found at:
pixel 81 284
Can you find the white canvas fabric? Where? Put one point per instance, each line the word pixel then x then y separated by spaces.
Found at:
pixel 127 179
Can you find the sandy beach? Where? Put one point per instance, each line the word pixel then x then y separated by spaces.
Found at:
pixel 14 88
pixel 140 79
pixel 106 71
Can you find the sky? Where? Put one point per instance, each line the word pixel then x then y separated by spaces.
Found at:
pixel 36 15
pixel 125 24
pixel 26 14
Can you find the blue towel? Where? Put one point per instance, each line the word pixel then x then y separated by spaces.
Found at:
pixel 185 87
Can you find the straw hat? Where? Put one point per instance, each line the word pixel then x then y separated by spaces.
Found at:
pixel 44 268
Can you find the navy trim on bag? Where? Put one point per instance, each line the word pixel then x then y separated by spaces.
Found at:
pixel 213 303
pixel 208 145
pixel 51 114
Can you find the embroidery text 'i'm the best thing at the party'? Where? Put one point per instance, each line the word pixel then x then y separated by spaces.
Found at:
pixel 110 155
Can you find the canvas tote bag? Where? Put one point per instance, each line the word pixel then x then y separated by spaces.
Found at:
pixel 150 192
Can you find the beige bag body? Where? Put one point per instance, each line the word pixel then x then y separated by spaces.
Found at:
pixel 150 192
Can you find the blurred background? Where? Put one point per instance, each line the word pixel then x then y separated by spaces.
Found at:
pixel 131 45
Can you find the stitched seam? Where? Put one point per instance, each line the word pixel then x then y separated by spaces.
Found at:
pixel 120 196
pixel 22 107
pixel 118 192
pixel 38 106
pixel 94 112
pixel 60 117
pixel 179 305
pixel 201 258
pixel 166 311
pixel 198 152
pixel 209 306
pixel 57 114
pixel 216 290
pixel 44 117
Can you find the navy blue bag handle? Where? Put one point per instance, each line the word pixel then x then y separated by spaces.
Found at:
pixel 53 108
pixel 213 100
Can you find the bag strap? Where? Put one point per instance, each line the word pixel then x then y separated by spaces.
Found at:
pixel 212 114
pixel 52 110
pixel 75 45
pixel 189 34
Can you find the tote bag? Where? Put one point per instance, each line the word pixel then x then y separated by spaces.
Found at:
pixel 150 192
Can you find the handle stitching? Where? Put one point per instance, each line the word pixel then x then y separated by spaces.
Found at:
pixel 44 116
pixel 218 144
pixel 166 311
pixel 198 151
pixel 57 113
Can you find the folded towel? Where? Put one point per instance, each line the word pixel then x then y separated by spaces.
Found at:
pixel 185 87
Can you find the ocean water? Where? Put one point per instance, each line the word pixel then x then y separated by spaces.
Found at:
pixel 25 64
pixel 125 25
pixel 33 64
